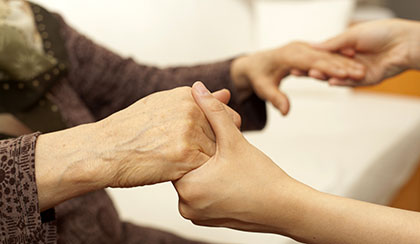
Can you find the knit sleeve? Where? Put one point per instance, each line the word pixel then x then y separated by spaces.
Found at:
pixel 20 218
pixel 107 82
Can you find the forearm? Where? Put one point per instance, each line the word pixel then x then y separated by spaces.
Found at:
pixel 66 166
pixel 323 218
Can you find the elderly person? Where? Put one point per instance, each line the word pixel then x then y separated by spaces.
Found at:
pixel 52 78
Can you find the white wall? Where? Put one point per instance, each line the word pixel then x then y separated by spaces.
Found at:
pixel 164 32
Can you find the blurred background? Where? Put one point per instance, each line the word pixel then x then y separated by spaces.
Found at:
pixel 362 143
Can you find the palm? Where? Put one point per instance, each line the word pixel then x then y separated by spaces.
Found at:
pixel 380 65
pixel 380 46
pixel 379 52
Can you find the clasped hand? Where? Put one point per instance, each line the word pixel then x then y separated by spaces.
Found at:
pixel 160 138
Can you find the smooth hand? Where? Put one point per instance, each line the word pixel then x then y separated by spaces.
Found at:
pixel 241 188
pixel 386 48
pixel 263 72
pixel 236 185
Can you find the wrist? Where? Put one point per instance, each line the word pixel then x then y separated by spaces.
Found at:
pixel 240 78
pixel 282 207
pixel 291 209
pixel 65 165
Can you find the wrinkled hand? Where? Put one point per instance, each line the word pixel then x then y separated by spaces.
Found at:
pixel 229 189
pixel 386 48
pixel 263 72
pixel 159 138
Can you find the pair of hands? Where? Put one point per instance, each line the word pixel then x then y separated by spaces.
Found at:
pixel 366 54
pixel 221 179
pixel 171 143
pixel 168 133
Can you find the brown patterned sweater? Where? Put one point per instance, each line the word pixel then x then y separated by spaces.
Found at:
pixel 98 84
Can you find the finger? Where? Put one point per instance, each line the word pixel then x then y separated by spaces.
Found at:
pixel 343 41
pixel 356 71
pixel 298 72
pixel 317 74
pixel 330 68
pixel 234 116
pixel 271 93
pixel 353 69
pixel 349 52
pixel 339 82
pixel 237 120
pixel 339 67
pixel 222 95
pixel 221 122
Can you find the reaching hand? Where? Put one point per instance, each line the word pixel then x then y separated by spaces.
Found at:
pixel 229 188
pixel 386 48
pixel 263 72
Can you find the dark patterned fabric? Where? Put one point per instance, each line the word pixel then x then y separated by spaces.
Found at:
pixel 98 84
pixel 20 219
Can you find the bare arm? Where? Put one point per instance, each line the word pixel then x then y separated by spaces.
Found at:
pixel 241 188
pixel 324 218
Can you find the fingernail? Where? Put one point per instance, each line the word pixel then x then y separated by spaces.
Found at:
pixel 202 90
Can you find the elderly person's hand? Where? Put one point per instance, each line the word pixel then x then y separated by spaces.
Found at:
pixel 386 48
pixel 263 71
pixel 159 138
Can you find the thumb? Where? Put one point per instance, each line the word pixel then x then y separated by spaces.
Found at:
pixel 270 92
pixel 220 120
pixel 222 95
pixel 344 41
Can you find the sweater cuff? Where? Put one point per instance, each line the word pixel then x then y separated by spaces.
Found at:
pixel 253 110
pixel 20 220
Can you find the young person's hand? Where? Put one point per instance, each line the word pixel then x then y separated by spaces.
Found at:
pixel 237 184
pixel 241 188
pixel 386 48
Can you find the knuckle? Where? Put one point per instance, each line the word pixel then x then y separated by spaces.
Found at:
pixel 186 212
pixel 182 89
pixel 216 107
pixel 237 119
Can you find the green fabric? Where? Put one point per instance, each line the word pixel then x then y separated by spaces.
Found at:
pixel 18 60
pixel 32 73
pixel 22 95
